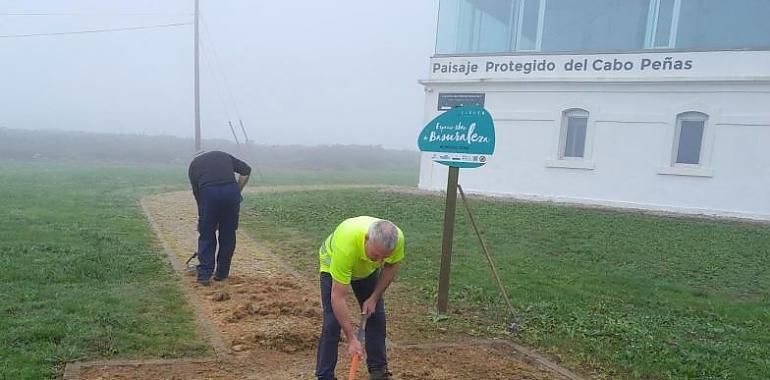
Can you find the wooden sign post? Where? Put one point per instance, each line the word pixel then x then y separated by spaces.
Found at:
pixel 463 137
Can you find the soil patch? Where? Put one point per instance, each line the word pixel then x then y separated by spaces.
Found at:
pixel 269 318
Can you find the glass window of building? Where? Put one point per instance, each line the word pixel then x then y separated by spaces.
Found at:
pixel 662 23
pixel 474 26
pixel 530 25
pixel 500 26
pixel 689 137
pixel 595 25
pixel 489 26
pixel 573 134
pixel 720 24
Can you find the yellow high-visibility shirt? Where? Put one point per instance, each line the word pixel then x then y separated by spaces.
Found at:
pixel 342 254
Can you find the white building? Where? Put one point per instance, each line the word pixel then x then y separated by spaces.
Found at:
pixel 652 104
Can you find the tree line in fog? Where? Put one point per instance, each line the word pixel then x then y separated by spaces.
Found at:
pixel 84 146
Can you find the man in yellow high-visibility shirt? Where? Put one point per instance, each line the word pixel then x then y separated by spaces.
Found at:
pixel 363 253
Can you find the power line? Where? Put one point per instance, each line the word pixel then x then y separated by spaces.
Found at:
pixel 218 67
pixel 209 67
pixel 75 14
pixel 95 30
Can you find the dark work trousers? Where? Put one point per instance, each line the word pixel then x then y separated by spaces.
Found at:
pixel 374 341
pixel 218 209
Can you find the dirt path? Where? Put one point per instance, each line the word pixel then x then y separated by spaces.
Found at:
pixel 263 323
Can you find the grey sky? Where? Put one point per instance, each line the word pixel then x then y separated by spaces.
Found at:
pixel 300 72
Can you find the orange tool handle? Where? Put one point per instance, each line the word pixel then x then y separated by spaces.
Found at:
pixel 354 367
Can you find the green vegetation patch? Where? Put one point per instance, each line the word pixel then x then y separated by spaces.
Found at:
pixel 333 176
pixel 620 294
pixel 82 277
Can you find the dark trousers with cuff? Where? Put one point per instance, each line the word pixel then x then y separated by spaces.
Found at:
pixel 218 209
pixel 374 342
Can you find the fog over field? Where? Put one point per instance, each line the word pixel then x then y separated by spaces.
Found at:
pixel 332 72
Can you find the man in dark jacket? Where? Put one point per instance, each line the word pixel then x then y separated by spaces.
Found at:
pixel 218 195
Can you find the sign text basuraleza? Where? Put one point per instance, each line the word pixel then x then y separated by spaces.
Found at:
pixel 456 133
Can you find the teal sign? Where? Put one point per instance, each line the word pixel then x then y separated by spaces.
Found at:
pixel 463 137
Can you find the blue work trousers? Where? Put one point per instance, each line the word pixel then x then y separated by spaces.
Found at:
pixel 374 341
pixel 218 209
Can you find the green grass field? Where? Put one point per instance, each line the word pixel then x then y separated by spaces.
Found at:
pixel 619 294
pixel 82 277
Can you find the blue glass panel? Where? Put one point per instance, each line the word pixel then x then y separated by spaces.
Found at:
pixel 724 24
pixel 474 26
pixel 495 25
pixel 663 31
pixel 690 141
pixel 446 34
pixel 575 142
pixel 491 26
pixel 530 15
pixel 595 25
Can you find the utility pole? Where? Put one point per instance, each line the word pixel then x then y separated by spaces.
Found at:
pixel 197 84
pixel 230 123
pixel 243 129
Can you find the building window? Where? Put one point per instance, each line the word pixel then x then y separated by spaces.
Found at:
pixel 529 31
pixel 662 24
pixel 708 24
pixel 489 26
pixel 689 138
pixel 474 26
pixel 498 26
pixel 572 141
pixel 594 25
pixel 711 24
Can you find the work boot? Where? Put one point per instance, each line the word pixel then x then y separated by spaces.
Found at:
pixel 380 374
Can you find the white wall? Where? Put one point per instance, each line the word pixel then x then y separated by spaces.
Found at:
pixel 629 145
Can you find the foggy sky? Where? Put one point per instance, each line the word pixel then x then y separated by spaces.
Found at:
pixel 299 72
